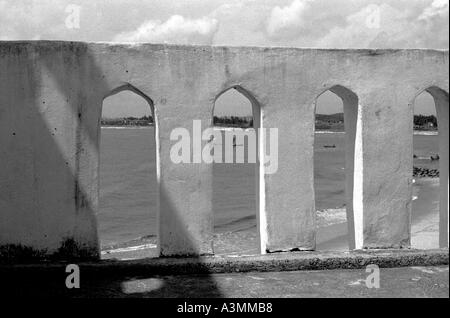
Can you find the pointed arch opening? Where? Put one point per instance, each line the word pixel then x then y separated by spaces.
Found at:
pixel 236 175
pixel 128 175
pixel 337 170
pixel 429 213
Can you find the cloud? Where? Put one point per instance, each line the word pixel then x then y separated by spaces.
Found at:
pixel 176 29
pixel 437 8
pixel 288 17
pixel 297 23
pixel 360 24
pixel 392 26
pixel 29 19
pixel 241 23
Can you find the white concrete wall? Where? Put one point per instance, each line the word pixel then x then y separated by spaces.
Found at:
pixel 51 96
pixel 442 112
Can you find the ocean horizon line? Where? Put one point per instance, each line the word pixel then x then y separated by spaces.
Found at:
pixel 415 132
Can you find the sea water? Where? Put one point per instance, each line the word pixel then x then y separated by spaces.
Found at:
pixel 128 183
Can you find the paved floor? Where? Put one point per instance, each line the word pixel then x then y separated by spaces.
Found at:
pixel 393 282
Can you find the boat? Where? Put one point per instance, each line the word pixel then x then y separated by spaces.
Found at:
pixel 435 157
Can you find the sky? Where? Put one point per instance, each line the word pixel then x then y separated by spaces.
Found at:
pixel 293 23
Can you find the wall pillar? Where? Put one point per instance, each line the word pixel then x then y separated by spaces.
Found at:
pixel 442 112
pixel 353 177
pixel 287 194
pixel 386 167
pixel 186 216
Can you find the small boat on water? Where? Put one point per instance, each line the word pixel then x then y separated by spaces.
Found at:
pixel 435 157
pixel 330 146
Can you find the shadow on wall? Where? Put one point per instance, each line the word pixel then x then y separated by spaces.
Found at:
pixel 51 189
pixel 42 283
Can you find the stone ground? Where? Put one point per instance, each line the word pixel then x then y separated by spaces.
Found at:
pixel 394 282
pixel 430 281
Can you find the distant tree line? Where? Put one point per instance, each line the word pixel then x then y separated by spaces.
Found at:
pixel 233 121
pixel 128 121
pixel 322 121
pixel 333 122
pixel 336 122
pixel 333 118
pixel 422 120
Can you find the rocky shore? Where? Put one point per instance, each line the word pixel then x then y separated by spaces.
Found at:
pixel 421 172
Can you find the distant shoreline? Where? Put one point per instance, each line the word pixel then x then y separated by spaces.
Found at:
pixel 426 132
pixel 321 131
pixel 127 127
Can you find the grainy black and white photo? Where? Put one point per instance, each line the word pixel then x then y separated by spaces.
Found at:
pixel 244 150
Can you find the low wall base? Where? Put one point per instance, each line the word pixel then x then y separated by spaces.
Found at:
pixel 289 261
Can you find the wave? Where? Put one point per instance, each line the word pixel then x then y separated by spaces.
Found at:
pixel 329 132
pixel 128 249
pixel 425 133
pixel 325 217
pixel 237 221
pixel 328 217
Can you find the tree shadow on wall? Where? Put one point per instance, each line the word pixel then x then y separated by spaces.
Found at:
pixel 54 176
pixel 122 279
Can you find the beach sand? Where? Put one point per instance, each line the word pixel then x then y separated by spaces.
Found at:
pixel 331 232
pixel 425 218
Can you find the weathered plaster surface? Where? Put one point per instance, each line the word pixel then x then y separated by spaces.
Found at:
pixel 51 96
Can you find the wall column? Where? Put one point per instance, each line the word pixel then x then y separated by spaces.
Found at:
pixel 442 112
pixel 353 152
pixel 186 216
pixel 287 192
pixel 386 167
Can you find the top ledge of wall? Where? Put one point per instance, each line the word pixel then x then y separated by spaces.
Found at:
pixel 162 46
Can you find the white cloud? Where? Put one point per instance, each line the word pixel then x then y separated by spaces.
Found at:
pixel 298 23
pixel 27 20
pixel 390 26
pixel 360 24
pixel 176 29
pixel 437 7
pixel 292 16
pixel 241 23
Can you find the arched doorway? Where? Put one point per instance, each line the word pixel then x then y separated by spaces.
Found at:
pixel 128 200
pixel 429 219
pixel 339 220
pixel 236 181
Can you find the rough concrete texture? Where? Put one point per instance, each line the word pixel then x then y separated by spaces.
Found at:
pixel 51 97
pixel 229 264
pixel 422 282
pixel 405 282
